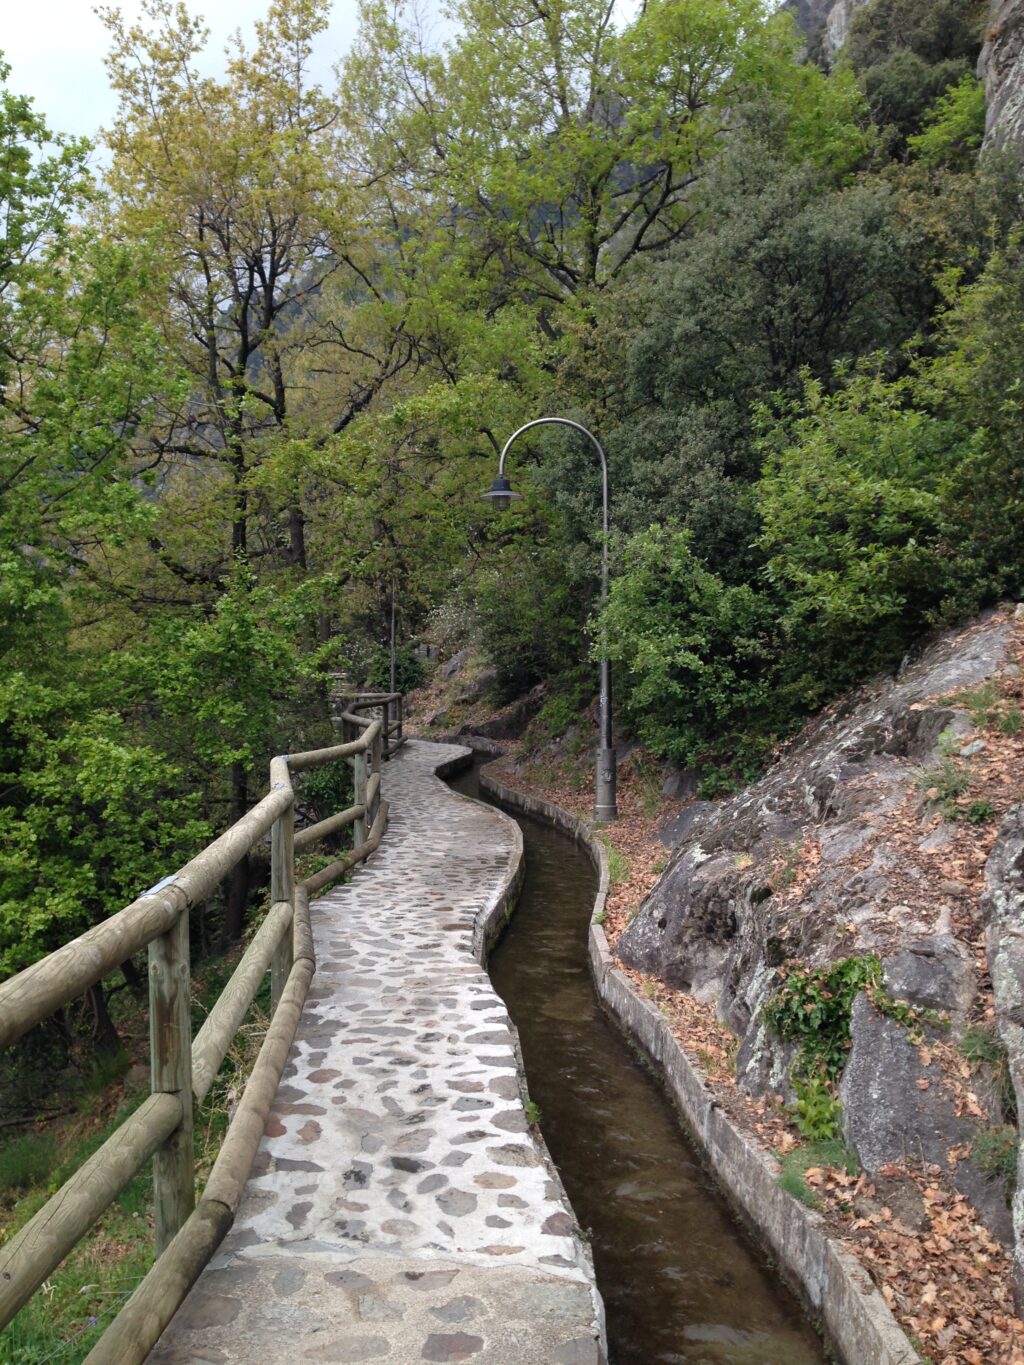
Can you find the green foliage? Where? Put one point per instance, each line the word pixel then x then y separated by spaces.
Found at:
pixel 935 30
pixel 531 616
pixel 563 708
pixel 946 781
pixel 618 863
pixel 694 653
pixel 91 819
pixel 812 1008
pixel 854 525
pixel 327 790
pixel 954 127
pixel 902 89
pixel 978 812
pixel 830 1152
pixel 408 670
pixel 995 1150
pixel 816 1112
pixel 91 1285
pixel 792 1181
pixel 27 1160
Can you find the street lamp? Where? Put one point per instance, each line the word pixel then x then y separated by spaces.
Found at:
pixel 501 495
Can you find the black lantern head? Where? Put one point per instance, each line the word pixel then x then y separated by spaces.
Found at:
pixel 500 493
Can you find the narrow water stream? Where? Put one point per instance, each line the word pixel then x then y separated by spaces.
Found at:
pixel 680 1282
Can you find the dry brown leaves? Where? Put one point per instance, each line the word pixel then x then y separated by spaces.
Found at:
pixel 948 1284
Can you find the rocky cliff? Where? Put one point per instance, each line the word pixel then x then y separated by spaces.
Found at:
pixel 1001 67
pixel 825 22
pixel 1001 64
pixel 875 845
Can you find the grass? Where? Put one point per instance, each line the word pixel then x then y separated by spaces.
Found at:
pixel 71 1310
pixel 27 1160
pixel 983 1048
pixel 794 1165
pixel 977 812
pixel 994 1152
pixel 618 865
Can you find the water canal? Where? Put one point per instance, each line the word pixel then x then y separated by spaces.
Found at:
pixel 680 1281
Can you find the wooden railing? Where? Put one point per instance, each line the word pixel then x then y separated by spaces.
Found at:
pixel 182 1068
pixel 389 708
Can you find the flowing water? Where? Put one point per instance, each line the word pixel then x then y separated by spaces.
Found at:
pixel 680 1281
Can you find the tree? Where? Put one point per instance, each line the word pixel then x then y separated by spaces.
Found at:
pixel 240 178
pixel 558 150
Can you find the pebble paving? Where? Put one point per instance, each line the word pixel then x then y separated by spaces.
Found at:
pixel 399 1207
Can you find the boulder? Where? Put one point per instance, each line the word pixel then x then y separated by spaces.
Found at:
pixel 933 973
pixel 896 1108
pixel 676 829
pixel 804 866
pixel 511 722
pixel 1003 907
pixel 679 784
pixel 455 664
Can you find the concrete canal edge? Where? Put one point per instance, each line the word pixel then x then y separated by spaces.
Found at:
pixel 856 1322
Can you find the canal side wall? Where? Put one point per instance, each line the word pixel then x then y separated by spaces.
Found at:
pixel 855 1320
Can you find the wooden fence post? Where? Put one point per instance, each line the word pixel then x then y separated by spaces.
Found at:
pixel 170 1052
pixel 359 827
pixel 377 755
pixel 282 888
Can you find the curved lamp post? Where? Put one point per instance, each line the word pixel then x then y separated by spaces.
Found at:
pixel 501 495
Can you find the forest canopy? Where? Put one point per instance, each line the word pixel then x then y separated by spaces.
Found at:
pixel 256 367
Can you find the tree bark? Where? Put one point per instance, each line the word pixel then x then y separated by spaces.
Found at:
pixel 238 886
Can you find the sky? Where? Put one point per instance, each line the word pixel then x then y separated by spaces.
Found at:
pixel 55 49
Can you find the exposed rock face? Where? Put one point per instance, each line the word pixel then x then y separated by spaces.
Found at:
pixel 826 22
pixel 1001 67
pixel 898 1108
pixel 811 864
pixel 1003 903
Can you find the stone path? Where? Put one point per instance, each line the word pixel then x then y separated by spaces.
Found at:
pixel 400 1209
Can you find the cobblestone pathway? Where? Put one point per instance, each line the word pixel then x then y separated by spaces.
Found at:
pixel 399 1209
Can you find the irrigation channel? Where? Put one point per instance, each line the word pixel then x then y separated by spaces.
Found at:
pixel 680 1281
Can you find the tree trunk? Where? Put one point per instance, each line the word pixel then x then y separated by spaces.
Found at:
pixel 238 886
pixel 297 537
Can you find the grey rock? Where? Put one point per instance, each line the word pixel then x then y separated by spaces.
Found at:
pixel 512 724
pixel 1003 906
pixel 455 664
pixel 684 824
pixel 934 973
pixel 977 746
pixel 1001 67
pixel 825 22
pixel 477 686
pixel 679 783
pixel 895 1109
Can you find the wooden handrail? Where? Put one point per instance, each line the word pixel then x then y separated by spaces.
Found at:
pixel 184 1069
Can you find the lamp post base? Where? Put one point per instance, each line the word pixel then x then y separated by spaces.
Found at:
pixel 604 796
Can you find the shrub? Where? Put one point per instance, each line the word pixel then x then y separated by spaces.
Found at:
pixel 695 655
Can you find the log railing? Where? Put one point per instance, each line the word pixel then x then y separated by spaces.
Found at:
pixel 388 708
pixel 182 1068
